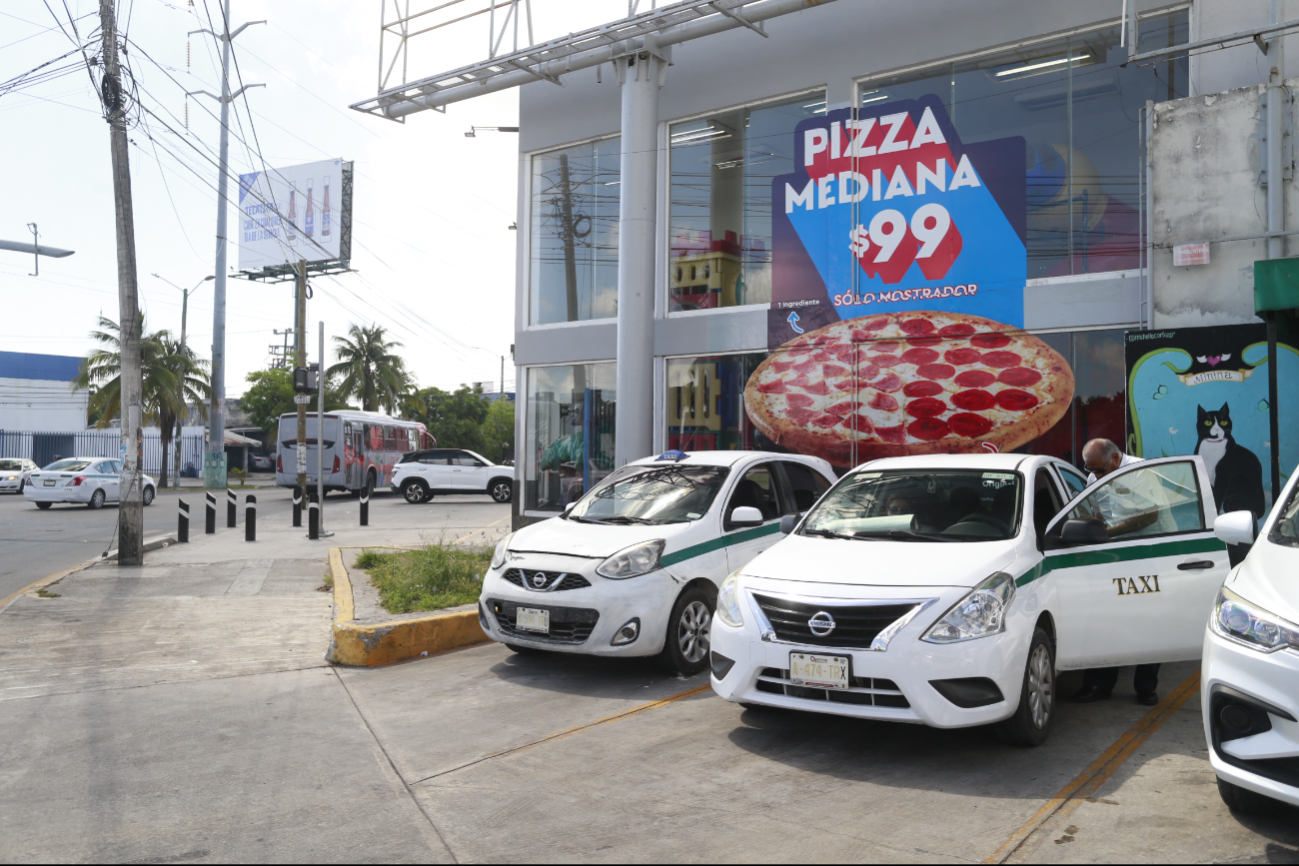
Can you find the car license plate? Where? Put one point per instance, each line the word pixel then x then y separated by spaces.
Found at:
pixel 532 619
pixel 818 671
pixel 49 482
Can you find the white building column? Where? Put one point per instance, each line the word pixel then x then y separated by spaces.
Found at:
pixel 639 76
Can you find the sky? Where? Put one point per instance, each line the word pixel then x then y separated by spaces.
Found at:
pixel 432 252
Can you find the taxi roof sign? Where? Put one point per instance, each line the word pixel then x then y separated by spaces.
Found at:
pixel 675 454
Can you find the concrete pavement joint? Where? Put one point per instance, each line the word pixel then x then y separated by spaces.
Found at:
pixel 1089 780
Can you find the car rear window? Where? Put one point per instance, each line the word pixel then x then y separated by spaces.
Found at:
pixel 67 465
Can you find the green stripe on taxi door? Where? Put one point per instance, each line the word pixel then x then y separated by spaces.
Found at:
pixel 1185 547
pixel 719 543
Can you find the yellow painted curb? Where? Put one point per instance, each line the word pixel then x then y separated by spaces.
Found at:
pixel 385 642
pixel 45 581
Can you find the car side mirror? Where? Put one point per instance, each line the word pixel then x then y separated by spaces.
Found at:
pixel 1235 527
pixel 788 522
pixel 745 516
pixel 1084 531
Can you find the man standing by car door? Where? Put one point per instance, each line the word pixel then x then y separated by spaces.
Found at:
pixel 1101 457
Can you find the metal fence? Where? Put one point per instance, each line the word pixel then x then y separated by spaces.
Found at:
pixel 44 448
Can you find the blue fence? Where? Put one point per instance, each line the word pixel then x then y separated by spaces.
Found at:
pixel 45 448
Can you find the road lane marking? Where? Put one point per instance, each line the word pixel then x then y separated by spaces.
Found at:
pixel 1086 783
pixel 559 735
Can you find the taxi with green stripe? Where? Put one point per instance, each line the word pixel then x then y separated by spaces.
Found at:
pixel 632 568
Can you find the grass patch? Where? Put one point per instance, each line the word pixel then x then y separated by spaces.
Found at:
pixel 430 578
pixel 45 593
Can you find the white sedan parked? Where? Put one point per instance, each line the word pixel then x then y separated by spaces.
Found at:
pixel 14 472
pixel 1250 680
pixel 947 590
pixel 91 481
pixel 632 569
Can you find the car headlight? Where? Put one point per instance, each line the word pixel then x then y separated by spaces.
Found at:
pixel 498 556
pixel 728 601
pixel 1238 620
pixel 633 561
pixel 982 612
pixel 12 478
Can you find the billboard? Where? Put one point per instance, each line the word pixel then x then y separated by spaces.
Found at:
pixel 300 212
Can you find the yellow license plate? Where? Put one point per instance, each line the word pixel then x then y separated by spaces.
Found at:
pixel 532 619
pixel 818 671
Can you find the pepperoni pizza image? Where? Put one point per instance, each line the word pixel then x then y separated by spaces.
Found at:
pixel 911 382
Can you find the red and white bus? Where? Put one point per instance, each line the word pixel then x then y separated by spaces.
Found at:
pixel 361 449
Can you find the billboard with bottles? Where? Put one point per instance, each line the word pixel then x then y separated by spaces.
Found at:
pixel 299 212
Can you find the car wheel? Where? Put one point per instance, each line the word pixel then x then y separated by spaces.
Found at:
pixel 502 491
pixel 686 649
pixel 415 492
pixel 1031 724
pixel 1240 799
pixel 43 506
pixel 96 500
pixel 148 496
pixel 523 650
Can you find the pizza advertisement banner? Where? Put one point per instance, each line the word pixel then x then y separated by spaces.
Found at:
pixel 899 264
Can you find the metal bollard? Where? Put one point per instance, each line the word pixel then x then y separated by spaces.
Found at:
pixel 297 506
pixel 365 506
pixel 210 527
pixel 182 523
pixel 232 506
pixel 313 519
pixel 250 518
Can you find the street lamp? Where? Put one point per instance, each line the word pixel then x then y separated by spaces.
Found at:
pixel 475 129
pixel 184 310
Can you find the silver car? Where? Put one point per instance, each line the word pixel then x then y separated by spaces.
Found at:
pixel 91 481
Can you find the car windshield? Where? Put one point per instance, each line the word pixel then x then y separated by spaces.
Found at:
pixel 920 505
pixel 10 465
pixel 68 465
pixel 652 494
pixel 1286 529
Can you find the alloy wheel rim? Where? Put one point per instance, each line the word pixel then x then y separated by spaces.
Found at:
pixel 1040 686
pixel 692 631
pixel 500 492
pixel 413 493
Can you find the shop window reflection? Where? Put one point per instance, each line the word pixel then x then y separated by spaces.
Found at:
pixel 705 403
pixel 574 242
pixel 720 211
pixel 1098 410
pixel 569 433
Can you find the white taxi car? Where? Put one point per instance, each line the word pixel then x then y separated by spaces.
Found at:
pixel 948 590
pixel 1250 675
pixel 632 568
pixel 14 472
pixel 91 481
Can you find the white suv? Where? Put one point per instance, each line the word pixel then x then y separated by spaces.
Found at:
pixel 421 474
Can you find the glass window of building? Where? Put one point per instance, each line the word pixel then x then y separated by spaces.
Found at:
pixel 574 242
pixel 1079 113
pixel 705 404
pixel 569 433
pixel 1099 409
pixel 720 210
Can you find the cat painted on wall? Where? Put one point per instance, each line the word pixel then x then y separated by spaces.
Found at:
pixel 1234 471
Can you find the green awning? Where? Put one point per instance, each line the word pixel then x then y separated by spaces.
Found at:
pixel 1276 285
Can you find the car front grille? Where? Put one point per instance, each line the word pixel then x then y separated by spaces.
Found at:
pixel 863 691
pixel 855 625
pixel 552 581
pixel 568 625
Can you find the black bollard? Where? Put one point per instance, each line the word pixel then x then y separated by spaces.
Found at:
pixel 313 518
pixel 365 506
pixel 210 527
pixel 232 506
pixel 297 506
pixel 182 523
pixel 250 518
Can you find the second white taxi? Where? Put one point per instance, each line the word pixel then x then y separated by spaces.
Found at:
pixel 632 568
pixel 948 590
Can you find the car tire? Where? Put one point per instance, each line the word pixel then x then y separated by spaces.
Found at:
pixel 1031 723
pixel 148 496
pixel 1244 800
pixel 501 491
pixel 415 491
pixel 96 500
pixel 685 651
pixel 523 650
pixel 44 506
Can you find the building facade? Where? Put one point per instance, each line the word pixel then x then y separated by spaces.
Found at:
pixel 36 393
pixel 986 160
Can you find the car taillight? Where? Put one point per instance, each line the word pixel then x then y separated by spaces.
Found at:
pixel 337 465
pixel 279 463
pixel 76 482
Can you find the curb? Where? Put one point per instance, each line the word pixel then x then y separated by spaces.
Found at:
pixel 151 545
pixel 382 643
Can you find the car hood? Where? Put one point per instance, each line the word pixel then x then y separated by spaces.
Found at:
pixel 885 563
pixel 1269 578
pixel 590 539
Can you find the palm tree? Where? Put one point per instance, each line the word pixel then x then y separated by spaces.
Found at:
pixel 369 370
pixel 172 378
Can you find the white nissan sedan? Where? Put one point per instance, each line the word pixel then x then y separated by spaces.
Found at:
pixel 1250 679
pixel 14 472
pixel 90 481
pixel 632 568
pixel 948 590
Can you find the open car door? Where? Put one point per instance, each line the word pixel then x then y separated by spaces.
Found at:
pixel 1136 566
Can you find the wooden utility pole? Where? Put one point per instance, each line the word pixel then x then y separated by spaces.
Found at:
pixel 301 364
pixel 130 516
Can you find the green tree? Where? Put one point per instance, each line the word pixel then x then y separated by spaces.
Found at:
pixel 172 377
pixel 455 419
pixel 368 369
pixel 498 432
pixel 270 395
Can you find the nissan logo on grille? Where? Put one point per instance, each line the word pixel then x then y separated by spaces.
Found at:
pixel 821 623
pixel 539 579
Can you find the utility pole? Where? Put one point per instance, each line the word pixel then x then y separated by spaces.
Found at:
pixel 130 515
pixel 502 377
pixel 300 363
pixel 214 462
pixel 180 418
pixel 1277 98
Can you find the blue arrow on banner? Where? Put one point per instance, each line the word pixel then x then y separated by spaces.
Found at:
pixel 793 323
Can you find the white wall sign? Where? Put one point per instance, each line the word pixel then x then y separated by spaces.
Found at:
pixel 1190 254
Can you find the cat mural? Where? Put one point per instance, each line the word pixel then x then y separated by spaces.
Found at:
pixel 1234 471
